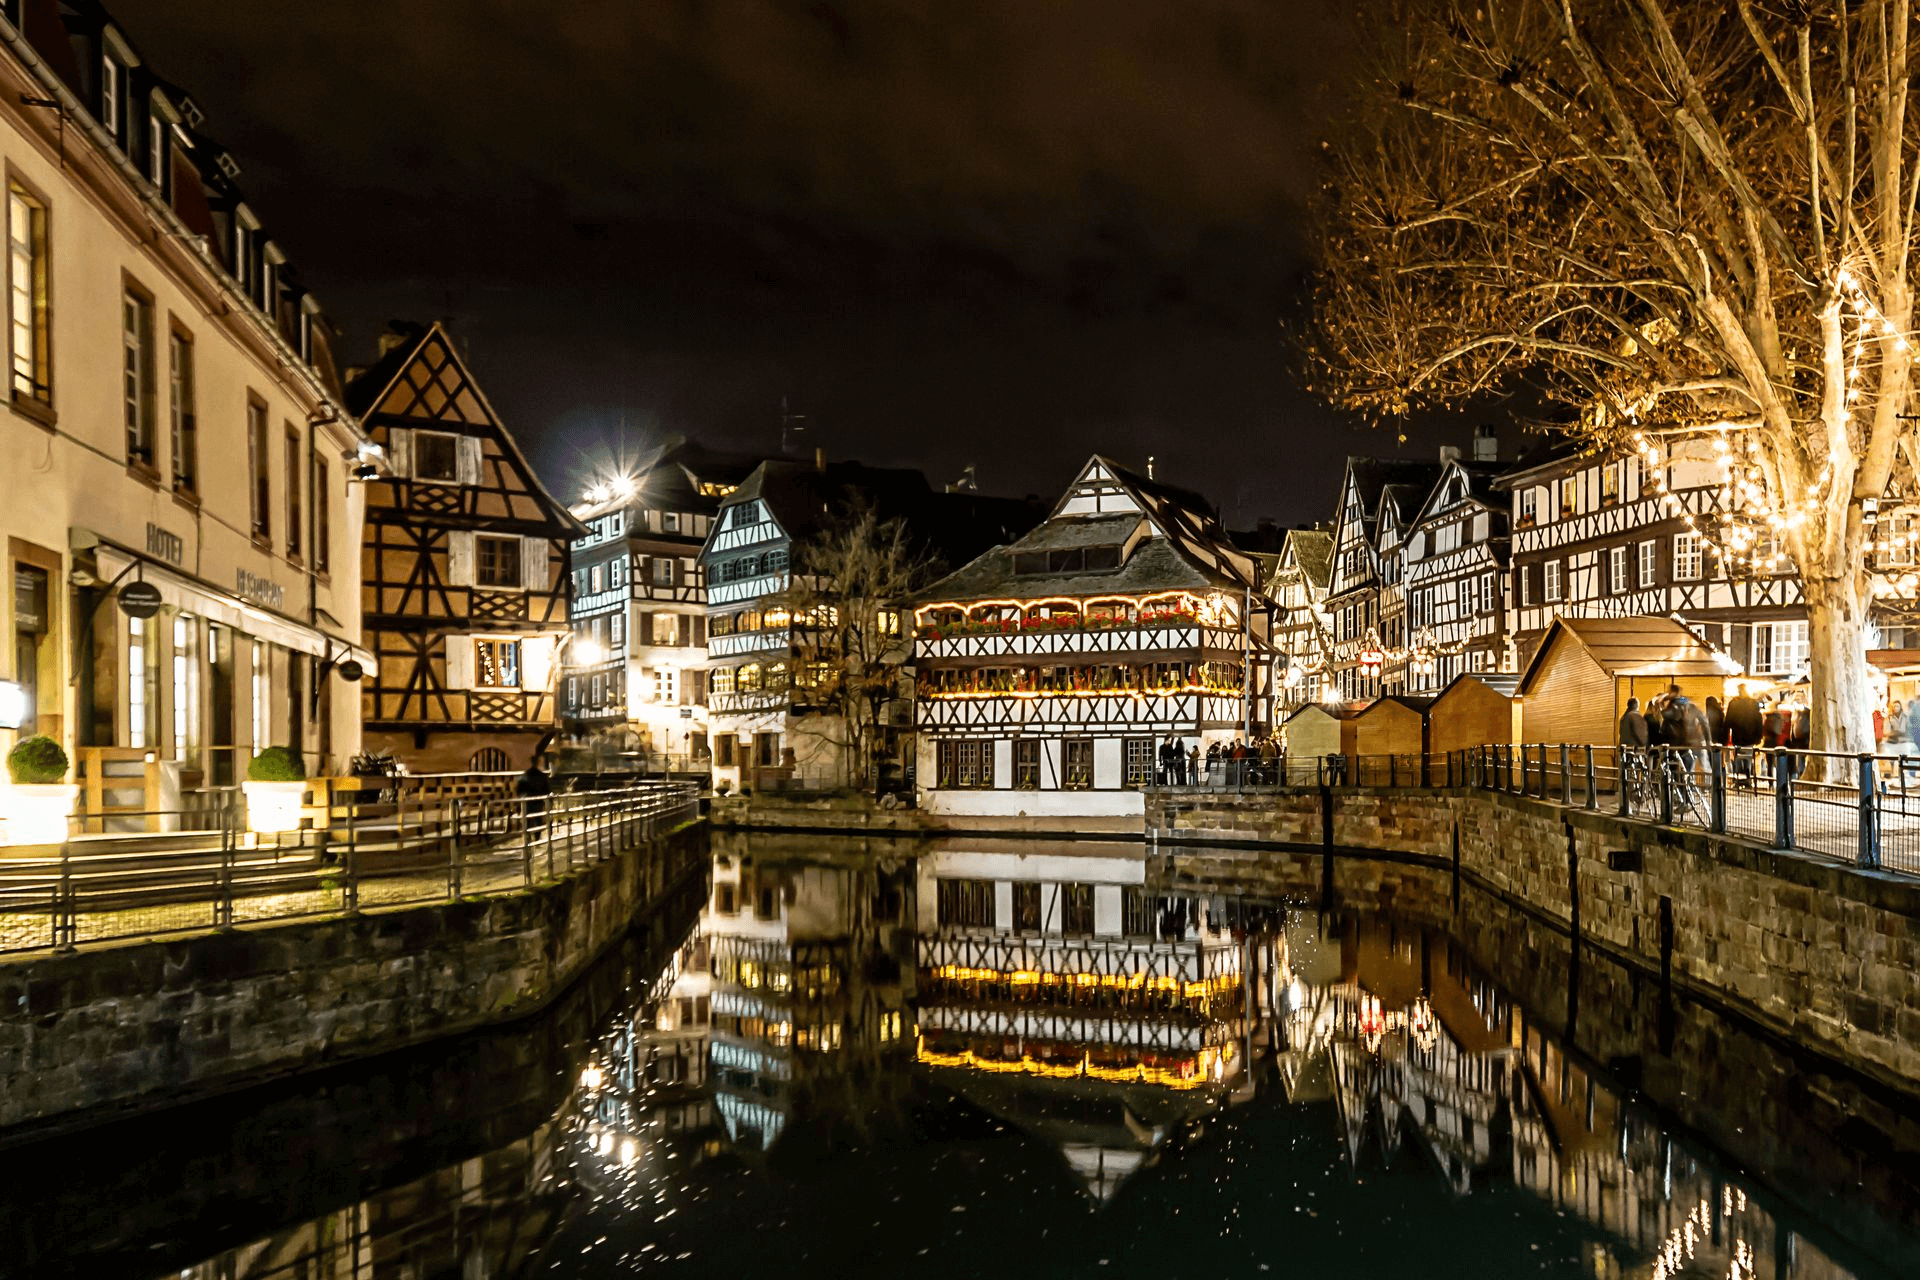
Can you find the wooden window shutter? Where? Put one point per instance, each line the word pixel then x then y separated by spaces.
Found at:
pixel 467 460
pixel 536 564
pixel 400 451
pixel 698 636
pixel 460 558
pixel 646 632
pixel 459 662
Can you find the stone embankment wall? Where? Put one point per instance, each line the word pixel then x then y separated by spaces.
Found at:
pixel 116 1029
pixel 853 813
pixel 1813 949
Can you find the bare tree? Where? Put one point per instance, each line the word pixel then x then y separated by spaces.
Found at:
pixel 1682 218
pixel 851 648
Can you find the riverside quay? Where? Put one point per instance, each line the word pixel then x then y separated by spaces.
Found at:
pixel 785 679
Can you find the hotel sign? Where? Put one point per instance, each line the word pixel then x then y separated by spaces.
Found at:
pixel 168 546
pixel 259 590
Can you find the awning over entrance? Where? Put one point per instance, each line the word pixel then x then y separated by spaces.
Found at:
pixel 192 596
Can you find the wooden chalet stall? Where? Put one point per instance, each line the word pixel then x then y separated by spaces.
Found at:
pixel 465 569
pixel 1316 731
pixel 1473 710
pixel 1576 687
pixel 1390 739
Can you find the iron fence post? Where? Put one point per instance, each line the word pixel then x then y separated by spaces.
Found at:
pixel 1869 815
pixel 1717 790
pixel 453 850
pixel 526 844
pixel 1620 781
pixel 66 923
pixel 1782 800
pixel 350 868
pixel 1566 778
pixel 1593 792
pixel 1666 788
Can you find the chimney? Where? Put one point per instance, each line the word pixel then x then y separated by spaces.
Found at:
pixel 1449 453
pixel 820 458
pixel 1486 443
pixel 390 338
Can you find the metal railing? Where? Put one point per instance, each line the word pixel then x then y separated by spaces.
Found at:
pixel 1292 772
pixel 1863 809
pixel 364 850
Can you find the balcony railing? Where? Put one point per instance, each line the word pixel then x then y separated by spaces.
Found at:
pixel 936 643
pixel 778 641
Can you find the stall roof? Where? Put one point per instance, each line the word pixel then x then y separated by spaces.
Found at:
pixel 1504 683
pixel 1635 647
pixel 1418 705
pixel 1345 711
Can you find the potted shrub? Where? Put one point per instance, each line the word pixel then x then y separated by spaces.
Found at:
pixel 36 807
pixel 276 786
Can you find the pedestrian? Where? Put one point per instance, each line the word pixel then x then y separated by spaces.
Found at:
pixel 1744 728
pixel 1633 728
pixel 533 787
pixel 1716 722
pixel 1214 776
pixel 1193 764
pixel 1900 737
pixel 1166 762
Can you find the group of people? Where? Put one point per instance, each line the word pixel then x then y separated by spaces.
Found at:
pixel 1238 763
pixel 1672 720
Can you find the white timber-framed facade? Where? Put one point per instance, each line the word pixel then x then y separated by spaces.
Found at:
pixel 1051 671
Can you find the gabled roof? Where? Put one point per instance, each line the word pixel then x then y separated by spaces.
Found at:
pixel 1345 711
pixel 1417 705
pixel 805 497
pixel 1634 647
pixel 1171 537
pixel 450 406
pixel 1371 476
pixel 1313 552
pixel 1504 683
pixel 1553 453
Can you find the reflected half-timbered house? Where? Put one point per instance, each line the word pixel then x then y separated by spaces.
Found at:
pixel 1061 992
pixel 464 568
pixel 1051 670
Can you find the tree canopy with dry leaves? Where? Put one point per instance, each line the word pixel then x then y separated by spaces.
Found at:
pixel 1676 216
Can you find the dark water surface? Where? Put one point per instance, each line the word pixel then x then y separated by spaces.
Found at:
pixel 1044 1060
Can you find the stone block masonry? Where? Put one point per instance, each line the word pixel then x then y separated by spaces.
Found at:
pixel 94 1034
pixel 1818 951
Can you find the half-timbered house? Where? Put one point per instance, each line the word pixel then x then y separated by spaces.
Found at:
pixel 464 568
pixel 1454 570
pixel 773 692
pixel 1051 671
pixel 635 679
pixel 1598 535
pixel 1302 640
pixel 1353 592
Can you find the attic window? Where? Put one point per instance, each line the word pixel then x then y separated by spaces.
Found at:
pixel 1067 560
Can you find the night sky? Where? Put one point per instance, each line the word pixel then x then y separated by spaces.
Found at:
pixel 1001 232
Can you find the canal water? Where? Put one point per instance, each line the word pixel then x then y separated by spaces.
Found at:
pixel 1026 1060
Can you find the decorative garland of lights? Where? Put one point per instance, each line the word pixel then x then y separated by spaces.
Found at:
pixel 1749 518
pixel 1210 610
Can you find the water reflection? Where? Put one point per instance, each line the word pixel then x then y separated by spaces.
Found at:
pixel 1040 1060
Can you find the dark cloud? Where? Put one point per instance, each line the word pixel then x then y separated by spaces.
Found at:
pixel 999 232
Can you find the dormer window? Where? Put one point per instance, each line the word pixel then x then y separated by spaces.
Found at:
pixel 1067 560
pixel 113 84
pixel 157 151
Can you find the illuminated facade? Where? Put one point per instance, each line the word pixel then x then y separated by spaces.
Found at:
pixel 636 679
pixel 174 417
pixel 1051 671
pixel 1453 578
pixel 1302 635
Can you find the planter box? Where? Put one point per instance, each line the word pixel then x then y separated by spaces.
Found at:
pixel 36 813
pixel 273 807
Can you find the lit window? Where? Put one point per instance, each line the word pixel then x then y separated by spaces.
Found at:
pixel 1553 583
pixel 180 414
pixel 1686 557
pixel 27 298
pixel 1648 552
pixel 663 571
pixel 496 664
pixel 137 381
pixel 1076 764
pixel 260 467
pixel 1617 581
pixel 666 684
pixel 294 486
pixel 186 687
pixel 112 83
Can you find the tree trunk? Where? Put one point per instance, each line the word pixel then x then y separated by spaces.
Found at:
pixel 1839 696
